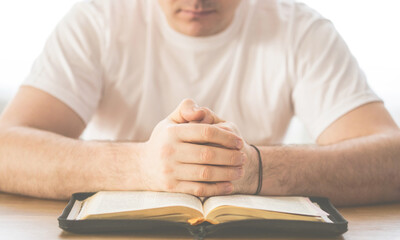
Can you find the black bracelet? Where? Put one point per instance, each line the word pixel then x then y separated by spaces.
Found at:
pixel 260 170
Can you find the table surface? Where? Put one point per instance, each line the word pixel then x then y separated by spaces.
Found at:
pixel 30 218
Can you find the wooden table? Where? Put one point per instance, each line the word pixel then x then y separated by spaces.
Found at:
pixel 30 218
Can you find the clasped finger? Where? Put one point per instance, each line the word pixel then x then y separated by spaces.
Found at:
pixel 212 155
pixel 207 173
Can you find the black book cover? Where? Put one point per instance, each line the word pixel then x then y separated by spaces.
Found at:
pixel 337 227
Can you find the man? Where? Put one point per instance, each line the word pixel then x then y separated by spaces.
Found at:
pixel 122 66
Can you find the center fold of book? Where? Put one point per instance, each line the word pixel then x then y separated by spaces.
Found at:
pixel 200 220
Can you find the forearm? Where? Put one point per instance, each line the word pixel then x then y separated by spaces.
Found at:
pixel 47 165
pixel 358 171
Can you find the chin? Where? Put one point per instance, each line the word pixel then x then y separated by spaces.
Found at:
pixel 198 30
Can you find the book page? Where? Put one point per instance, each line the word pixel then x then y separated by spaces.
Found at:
pixel 123 201
pixel 75 210
pixel 293 205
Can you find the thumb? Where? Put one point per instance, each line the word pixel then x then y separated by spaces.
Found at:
pixel 210 117
pixel 187 111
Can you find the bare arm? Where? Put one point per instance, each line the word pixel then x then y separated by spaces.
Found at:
pixel 41 156
pixel 356 161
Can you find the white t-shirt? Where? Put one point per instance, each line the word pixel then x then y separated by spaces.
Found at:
pixel 122 68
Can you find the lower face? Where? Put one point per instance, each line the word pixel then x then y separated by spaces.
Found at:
pixel 199 17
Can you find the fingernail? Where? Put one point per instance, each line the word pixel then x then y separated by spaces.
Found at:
pixel 240 172
pixel 229 188
pixel 239 144
pixel 243 158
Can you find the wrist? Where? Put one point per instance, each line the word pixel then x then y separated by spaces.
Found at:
pixel 120 169
pixel 279 166
pixel 249 183
pixel 260 170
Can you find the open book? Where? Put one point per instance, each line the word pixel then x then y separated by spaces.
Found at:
pixel 177 207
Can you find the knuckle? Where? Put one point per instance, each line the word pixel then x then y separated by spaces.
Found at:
pixel 234 159
pixel 228 174
pixel 235 173
pixel 170 186
pixel 207 155
pixel 228 129
pixel 226 126
pixel 199 191
pixel 171 130
pixel 205 173
pixel 207 110
pixel 231 174
pixel 167 150
pixel 208 132
pixel 234 128
pixel 187 101
pixel 230 125
pixel 167 170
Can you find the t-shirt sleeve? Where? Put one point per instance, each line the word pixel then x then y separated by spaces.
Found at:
pixel 329 82
pixel 69 67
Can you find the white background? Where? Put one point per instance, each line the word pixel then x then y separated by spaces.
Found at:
pixel 371 29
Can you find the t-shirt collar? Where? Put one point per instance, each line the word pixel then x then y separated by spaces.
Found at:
pixel 200 43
